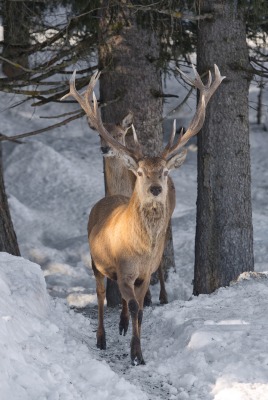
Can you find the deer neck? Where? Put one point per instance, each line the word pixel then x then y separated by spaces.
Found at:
pixel 150 218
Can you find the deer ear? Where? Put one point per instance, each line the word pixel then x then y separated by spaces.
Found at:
pixel 177 160
pixel 127 121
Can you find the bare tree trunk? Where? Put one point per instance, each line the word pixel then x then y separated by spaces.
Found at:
pixel 128 56
pixel 8 239
pixel 16 34
pixel 224 234
pixel 16 37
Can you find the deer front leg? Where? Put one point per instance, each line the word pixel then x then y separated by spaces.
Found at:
pixel 100 288
pixel 124 318
pixel 163 297
pixel 141 291
pixel 128 294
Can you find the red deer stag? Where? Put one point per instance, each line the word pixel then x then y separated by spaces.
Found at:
pixel 127 235
pixel 120 180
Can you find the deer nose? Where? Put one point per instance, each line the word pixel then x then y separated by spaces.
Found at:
pixel 105 149
pixel 155 190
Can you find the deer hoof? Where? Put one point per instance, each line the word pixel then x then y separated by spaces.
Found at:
pixel 147 302
pixel 101 342
pixel 163 298
pixel 136 354
pixel 123 325
pixel 138 361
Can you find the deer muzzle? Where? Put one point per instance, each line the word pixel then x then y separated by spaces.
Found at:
pixel 105 149
pixel 156 190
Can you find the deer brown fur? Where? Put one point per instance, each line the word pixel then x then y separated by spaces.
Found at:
pixel 120 180
pixel 127 235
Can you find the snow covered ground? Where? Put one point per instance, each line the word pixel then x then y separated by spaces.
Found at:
pixel 210 347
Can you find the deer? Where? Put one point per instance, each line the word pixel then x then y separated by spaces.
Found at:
pixel 120 180
pixel 127 234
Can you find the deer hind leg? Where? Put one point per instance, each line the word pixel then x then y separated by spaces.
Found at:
pixel 100 288
pixel 128 294
pixel 163 297
pixel 147 299
pixel 124 318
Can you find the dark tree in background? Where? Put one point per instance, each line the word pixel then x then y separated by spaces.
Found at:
pixel 8 239
pixel 16 33
pixel 17 36
pixel 224 234
pixel 129 58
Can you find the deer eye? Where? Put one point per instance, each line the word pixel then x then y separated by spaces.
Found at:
pixel 139 173
pixel 166 172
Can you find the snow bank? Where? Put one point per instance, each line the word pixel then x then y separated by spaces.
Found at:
pixel 43 354
pixel 216 346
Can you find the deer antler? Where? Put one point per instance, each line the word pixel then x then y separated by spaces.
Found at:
pixel 206 91
pixel 94 116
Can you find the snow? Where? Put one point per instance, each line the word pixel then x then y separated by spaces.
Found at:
pixel 213 347
pixel 43 354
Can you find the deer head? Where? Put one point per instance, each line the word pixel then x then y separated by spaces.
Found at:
pixel 151 172
pixel 118 131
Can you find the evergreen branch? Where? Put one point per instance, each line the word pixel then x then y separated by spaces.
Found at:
pixel 16 65
pixel 170 13
pixel 179 106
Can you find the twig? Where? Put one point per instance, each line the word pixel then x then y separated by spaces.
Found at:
pixel 60 115
pixel 10 139
pixel 48 128
pixel 17 65
pixel 170 13
pixel 179 106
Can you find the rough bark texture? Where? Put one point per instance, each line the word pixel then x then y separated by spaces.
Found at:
pixel 224 233
pixel 128 57
pixel 8 239
pixel 16 37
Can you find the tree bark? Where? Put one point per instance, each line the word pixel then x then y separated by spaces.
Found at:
pixel 16 37
pixel 224 233
pixel 128 56
pixel 8 239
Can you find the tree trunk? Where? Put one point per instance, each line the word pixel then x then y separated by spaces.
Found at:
pixel 224 234
pixel 8 239
pixel 16 34
pixel 16 37
pixel 128 56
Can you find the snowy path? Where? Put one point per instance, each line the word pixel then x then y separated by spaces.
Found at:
pixel 117 353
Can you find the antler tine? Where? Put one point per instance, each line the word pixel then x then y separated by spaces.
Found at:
pixel 73 92
pixel 171 140
pixel 138 149
pixel 94 116
pixel 214 86
pixel 206 91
